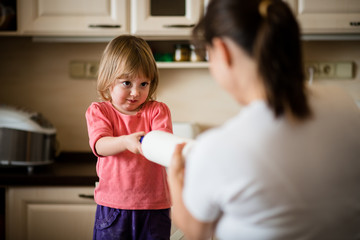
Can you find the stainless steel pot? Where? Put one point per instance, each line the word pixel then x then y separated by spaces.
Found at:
pixel 26 148
pixel 26 138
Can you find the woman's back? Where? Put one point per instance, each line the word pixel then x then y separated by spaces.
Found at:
pixel 279 179
pixel 288 165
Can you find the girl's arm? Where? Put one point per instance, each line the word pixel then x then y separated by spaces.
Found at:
pixel 192 228
pixel 108 146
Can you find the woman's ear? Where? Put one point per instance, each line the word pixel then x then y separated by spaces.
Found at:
pixel 222 50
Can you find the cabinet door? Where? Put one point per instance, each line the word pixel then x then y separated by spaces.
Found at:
pixel 164 17
pixel 49 213
pixel 329 16
pixel 73 18
pixel 56 213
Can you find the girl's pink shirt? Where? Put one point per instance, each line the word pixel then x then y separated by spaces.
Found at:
pixel 128 180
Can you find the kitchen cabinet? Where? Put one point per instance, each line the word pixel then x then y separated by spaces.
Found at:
pixel 165 18
pixel 327 16
pixel 56 213
pixel 108 18
pixel 160 19
pixel 42 213
pixel 73 18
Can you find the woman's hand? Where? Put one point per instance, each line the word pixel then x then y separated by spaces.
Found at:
pixel 177 165
pixel 192 228
pixel 176 184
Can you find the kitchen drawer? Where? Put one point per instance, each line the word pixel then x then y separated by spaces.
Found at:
pixel 42 213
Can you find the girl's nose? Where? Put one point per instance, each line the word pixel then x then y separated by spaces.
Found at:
pixel 134 92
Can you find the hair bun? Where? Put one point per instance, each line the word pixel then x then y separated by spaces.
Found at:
pixel 263 7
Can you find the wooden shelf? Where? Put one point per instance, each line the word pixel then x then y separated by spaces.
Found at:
pixel 179 65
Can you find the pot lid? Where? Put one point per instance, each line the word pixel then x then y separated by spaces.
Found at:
pixel 21 119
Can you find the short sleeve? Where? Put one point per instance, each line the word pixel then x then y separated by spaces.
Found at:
pixel 201 183
pixel 98 124
pixel 161 117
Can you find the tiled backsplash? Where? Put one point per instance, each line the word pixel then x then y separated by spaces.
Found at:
pixel 35 75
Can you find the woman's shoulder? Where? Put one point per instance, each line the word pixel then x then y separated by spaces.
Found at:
pixel 240 129
pixel 333 105
pixel 330 94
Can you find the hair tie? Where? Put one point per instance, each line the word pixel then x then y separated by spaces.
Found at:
pixel 263 7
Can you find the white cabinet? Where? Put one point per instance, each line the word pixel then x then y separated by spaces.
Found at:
pixel 108 18
pixel 42 213
pixel 73 18
pixel 164 17
pixel 327 16
pixel 56 213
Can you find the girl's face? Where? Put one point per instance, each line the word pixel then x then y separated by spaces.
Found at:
pixel 128 94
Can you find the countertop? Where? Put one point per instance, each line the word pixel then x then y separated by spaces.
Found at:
pixel 68 169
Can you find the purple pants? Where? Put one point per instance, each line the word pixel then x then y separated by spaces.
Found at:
pixel 112 223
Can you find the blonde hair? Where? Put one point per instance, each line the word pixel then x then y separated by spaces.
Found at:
pixel 126 56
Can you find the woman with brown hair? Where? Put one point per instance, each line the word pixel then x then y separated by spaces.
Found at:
pixel 287 166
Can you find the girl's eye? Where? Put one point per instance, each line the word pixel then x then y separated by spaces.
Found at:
pixel 126 83
pixel 144 84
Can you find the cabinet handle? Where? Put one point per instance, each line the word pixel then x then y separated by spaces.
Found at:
pixel 86 196
pixel 179 26
pixel 355 24
pixel 104 26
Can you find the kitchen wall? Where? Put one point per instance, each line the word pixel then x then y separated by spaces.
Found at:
pixel 35 75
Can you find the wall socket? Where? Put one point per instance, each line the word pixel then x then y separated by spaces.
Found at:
pixel 83 69
pixel 330 70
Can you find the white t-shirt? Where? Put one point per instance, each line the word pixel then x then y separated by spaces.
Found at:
pixel 267 178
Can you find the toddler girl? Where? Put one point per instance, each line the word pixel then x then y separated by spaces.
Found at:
pixel 132 194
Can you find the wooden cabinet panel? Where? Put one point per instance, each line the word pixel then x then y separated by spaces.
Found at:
pixel 56 213
pixel 146 23
pixel 328 16
pixel 49 213
pixel 73 18
pixel 58 221
pixel 149 18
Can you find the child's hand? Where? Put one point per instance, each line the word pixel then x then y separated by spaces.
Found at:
pixel 133 142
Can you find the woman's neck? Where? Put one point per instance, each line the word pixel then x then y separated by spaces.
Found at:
pixel 250 85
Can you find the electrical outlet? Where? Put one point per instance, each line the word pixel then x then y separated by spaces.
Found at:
pixel 326 70
pixel 330 70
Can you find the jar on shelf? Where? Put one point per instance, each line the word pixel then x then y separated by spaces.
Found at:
pixel 182 52
pixel 194 57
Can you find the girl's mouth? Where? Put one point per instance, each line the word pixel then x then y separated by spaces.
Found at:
pixel 132 101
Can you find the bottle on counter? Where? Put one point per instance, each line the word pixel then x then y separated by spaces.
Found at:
pixel 159 146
